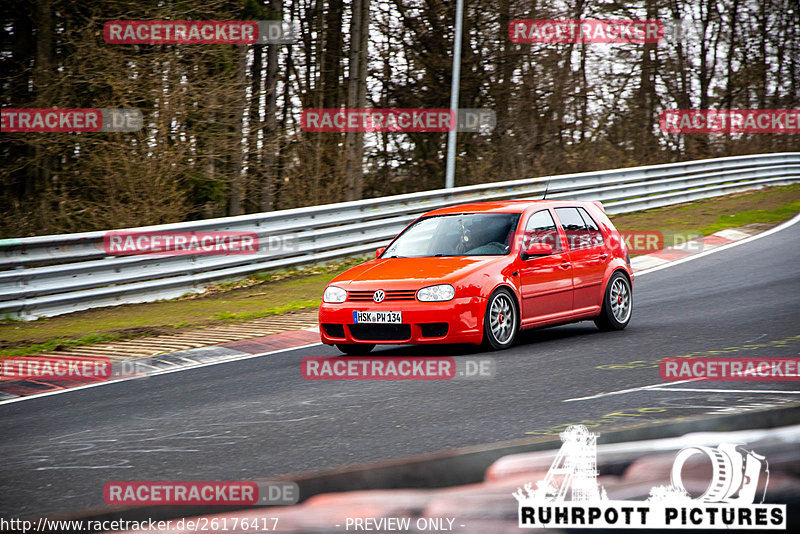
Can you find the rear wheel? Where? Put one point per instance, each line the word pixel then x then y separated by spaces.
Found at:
pixel 501 321
pixel 355 349
pixel 617 304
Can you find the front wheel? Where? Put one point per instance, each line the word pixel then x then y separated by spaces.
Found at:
pixel 501 321
pixel 617 304
pixel 355 349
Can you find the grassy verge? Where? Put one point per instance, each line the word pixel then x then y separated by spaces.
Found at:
pixel 769 206
pixel 281 291
pixel 264 294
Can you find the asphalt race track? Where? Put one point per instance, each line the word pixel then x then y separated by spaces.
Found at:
pixel 258 418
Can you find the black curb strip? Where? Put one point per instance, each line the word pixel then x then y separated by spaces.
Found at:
pixel 451 468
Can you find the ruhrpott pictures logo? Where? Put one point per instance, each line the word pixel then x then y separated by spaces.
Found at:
pixel 727 502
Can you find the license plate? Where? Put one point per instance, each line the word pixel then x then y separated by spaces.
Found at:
pixel 377 317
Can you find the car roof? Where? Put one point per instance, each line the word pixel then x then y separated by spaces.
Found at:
pixel 506 206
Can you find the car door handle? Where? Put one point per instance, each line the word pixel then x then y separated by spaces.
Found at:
pixel 603 256
pixel 566 265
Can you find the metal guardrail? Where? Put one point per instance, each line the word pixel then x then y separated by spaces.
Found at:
pixel 52 275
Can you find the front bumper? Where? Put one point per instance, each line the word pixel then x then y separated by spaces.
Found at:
pixel 423 322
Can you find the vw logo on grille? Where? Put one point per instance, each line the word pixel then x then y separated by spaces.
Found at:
pixel 379 295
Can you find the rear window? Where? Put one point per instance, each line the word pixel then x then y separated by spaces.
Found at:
pixel 581 232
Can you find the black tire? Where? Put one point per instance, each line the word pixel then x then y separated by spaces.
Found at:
pixel 617 307
pixel 501 323
pixel 355 349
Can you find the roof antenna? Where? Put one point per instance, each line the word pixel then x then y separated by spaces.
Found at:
pixel 546 187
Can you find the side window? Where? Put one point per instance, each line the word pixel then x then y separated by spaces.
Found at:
pixel 574 227
pixel 593 231
pixel 541 228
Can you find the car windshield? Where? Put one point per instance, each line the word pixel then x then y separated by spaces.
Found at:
pixel 463 234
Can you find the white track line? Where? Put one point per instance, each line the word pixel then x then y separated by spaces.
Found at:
pixel 791 222
pixel 631 390
pixel 159 372
pixel 703 390
pixel 665 387
pixel 794 220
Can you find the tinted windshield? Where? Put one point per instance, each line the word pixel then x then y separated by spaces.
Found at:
pixel 464 234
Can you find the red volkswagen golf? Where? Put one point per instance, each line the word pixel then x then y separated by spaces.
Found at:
pixel 478 273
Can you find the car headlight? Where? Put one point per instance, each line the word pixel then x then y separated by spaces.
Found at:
pixel 334 294
pixel 438 293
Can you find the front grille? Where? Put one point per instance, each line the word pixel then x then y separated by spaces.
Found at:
pixel 434 329
pixel 380 332
pixel 391 294
pixel 333 330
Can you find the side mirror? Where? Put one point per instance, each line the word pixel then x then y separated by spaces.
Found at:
pixel 379 252
pixel 537 249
